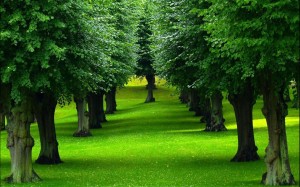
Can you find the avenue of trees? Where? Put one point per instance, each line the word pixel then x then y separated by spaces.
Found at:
pixel 53 52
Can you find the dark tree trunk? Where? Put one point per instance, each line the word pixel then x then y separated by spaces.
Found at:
pixel 110 99
pixel 184 97
pixel 217 120
pixel 150 88
pixel 83 118
pixel 44 109
pixel 20 143
pixel 206 112
pixel 2 121
pixel 194 104
pixel 243 106
pixel 96 110
pixel 276 159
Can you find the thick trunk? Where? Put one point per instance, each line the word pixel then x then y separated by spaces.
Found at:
pixel 243 106
pixel 2 121
pixel 150 88
pixel 110 99
pixel 276 159
pixel 83 118
pixel 96 110
pixel 20 143
pixel 44 109
pixel 194 104
pixel 217 120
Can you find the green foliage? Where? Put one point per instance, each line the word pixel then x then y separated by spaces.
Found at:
pixel 256 38
pixel 145 57
pixel 47 46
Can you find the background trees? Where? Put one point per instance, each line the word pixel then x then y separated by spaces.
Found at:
pixel 260 39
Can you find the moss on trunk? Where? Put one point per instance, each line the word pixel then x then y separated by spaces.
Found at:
pixel 20 143
pixel 276 159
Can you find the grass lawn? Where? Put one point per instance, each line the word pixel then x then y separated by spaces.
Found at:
pixel 154 144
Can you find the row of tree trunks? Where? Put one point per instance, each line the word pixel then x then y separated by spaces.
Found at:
pixel 96 109
pixel 20 142
pixel 243 105
pixel 150 87
pixel 217 119
pixel 276 159
pixel 110 99
pixel 83 118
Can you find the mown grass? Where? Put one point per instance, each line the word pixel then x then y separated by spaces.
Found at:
pixel 154 144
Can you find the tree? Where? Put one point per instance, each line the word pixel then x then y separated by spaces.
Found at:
pixel 43 51
pixel 260 40
pixel 145 60
pixel 181 53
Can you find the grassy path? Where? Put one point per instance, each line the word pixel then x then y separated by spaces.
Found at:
pixel 155 144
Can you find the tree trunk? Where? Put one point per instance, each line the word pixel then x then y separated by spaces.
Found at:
pixel 83 118
pixel 217 120
pixel 2 121
pixel 44 109
pixel 96 111
pixel 206 112
pixel 20 143
pixel 110 99
pixel 184 97
pixel 243 106
pixel 276 159
pixel 194 104
pixel 150 88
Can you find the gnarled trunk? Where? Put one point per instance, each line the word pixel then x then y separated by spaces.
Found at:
pixel 83 118
pixel 20 143
pixel 110 99
pixel 243 106
pixel 217 120
pixel 276 159
pixel 150 88
pixel 44 109
pixel 96 110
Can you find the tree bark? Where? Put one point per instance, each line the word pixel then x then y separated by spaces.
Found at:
pixel 150 88
pixel 2 121
pixel 243 106
pixel 110 99
pixel 194 104
pixel 44 109
pixel 276 159
pixel 20 143
pixel 206 112
pixel 83 118
pixel 96 111
pixel 184 97
pixel 217 120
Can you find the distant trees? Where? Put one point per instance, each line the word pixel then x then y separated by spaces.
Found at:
pixel 243 48
pixel 145 60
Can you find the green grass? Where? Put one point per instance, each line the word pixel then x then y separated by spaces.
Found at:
pixel 154 144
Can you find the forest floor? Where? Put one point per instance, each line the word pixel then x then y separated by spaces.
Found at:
pixel 153 144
